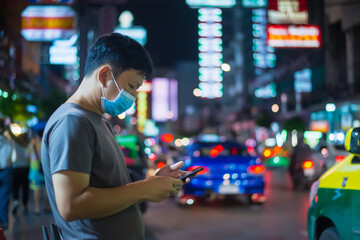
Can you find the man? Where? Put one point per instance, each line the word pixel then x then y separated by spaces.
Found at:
pixel 6 148
pixel 90 192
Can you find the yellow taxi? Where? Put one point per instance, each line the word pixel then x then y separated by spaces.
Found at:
pixel 334 211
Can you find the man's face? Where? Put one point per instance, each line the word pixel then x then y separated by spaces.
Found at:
pixel 129 80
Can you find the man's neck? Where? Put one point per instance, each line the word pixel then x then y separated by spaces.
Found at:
pixel 85 98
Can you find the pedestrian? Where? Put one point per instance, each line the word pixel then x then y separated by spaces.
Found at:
pixel 20 181
pixel 36 176
pixel 6 148
pixel 90 192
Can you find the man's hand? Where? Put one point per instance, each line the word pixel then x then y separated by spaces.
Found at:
pixel 161 187
pixel 173 171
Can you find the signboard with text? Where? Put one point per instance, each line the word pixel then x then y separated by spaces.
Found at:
pixel 293 36
pixel 288 12
pixel 48 23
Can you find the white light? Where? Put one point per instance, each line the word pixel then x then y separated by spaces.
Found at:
pixel 275 108
pixel 197 92
pixel 147 150
pixel 185 141
pixel 331 137
pixel 294 139
pixel 235 176
pixel 330 107
pixel 190 201
pixel 226 176
pixel 276 160
pixel 225 67
pixel 178 142
pixel 122 116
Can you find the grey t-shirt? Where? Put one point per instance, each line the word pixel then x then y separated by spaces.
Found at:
pixel 80 140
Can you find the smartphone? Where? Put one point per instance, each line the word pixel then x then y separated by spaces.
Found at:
pixel 190 174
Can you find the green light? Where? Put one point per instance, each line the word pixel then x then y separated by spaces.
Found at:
pixel 312 134
pixel 5 94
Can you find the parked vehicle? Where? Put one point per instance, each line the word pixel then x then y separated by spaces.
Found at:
pixel 334 212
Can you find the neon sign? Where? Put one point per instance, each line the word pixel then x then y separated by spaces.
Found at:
pixel 269 91
pixel 164 105
pixel 48 23
pixel 210 53
pixel 254 3
pixel 263 55
pixel 300 36
pixel 211 3
pixel 302 81
pixel 288 12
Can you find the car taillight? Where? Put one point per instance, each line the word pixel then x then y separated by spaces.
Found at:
pixel 308 164
pixel 339 158
pixel 256 169
pixel 205 171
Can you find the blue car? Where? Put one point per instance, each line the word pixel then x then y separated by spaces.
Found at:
pixel 229 169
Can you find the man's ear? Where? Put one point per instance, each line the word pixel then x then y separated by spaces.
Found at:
pixel 104 75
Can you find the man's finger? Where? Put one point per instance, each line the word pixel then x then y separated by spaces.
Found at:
pixel 177 166
pixel 177 182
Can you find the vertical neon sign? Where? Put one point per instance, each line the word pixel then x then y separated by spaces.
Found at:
pixel 263 55
pixel 210 52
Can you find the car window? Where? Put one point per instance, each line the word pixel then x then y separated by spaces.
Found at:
pixel 221 151
pixel 355 160
pixel 340 147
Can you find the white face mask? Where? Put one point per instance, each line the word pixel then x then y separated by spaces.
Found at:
pixel 120 104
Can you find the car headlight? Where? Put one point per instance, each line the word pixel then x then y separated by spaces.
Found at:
pixel 314 191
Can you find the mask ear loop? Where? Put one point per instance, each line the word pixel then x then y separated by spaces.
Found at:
pixel 115 81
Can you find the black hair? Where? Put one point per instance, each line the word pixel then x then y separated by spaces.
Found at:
pixel 121 53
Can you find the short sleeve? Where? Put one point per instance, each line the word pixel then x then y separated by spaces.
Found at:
pixel 71 145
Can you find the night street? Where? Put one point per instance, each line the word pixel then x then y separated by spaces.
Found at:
pixel 282 217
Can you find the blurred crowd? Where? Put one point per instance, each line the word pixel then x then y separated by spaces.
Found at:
pixel 21 173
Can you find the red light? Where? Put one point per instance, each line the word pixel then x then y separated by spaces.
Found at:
pixel 214 152
pixel 205 171
pixel 277 149
pixel 152 157
pixel 316 198
pixel 219 148
pixel 250 149
pixel 339 158
pixel 160 165
pixel 267 153
pixel 234 151
pixel 308 164
pixel 256 169
pixel 167 137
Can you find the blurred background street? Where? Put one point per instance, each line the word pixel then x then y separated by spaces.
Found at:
pixel 282 217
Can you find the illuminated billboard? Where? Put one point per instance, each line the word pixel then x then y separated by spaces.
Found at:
pixel 254 3
pixel 48 23
pixel 211 3
pixel 288 12
pixel 164 106
pixel 293 36
pixel 210 53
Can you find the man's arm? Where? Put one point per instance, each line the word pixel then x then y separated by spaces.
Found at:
pixel 75 199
